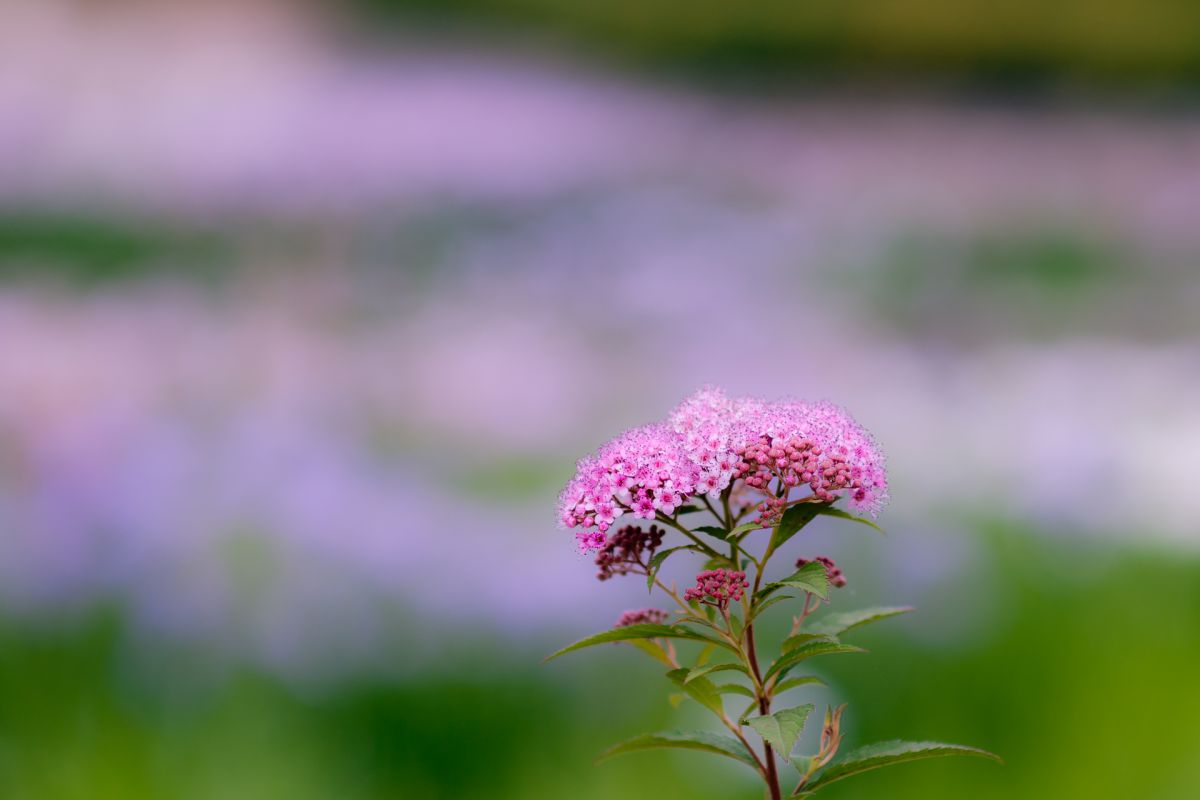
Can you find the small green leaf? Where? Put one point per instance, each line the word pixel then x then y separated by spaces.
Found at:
pixel 713 531
pixel 635 632
pixel 657 560
pixel 703 656
pixel 792 683
pixel 837 624
pixel 686 740
pixel 699 671
pixel 676 699
pixel 806 651
pixel 885 754
pixel 688 509
pixel 809 578
pixel 701 690
pixel 733 688
pixel 782 729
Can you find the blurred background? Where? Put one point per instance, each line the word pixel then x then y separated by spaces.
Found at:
pixel 307 309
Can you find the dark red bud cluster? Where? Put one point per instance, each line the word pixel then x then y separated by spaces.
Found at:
pixel 627 550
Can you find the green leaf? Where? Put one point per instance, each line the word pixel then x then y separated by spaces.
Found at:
pixel 688 509
pixel 719 562
pixel 782 729
pixel 686 740
pixel 651 649
pixel 699 671
pixel 832 511
pixel 792 642
pixel 809 578
pixel 801 514
pixel 744 530
pixel 837 624
pixel 763 606
pixel 806 651
pixel 792 683
pixel 733 688
pixel 713 531
pixel 791 522
pixel 884 754
pixel 633 632
pixel 657 560
pixel 700 689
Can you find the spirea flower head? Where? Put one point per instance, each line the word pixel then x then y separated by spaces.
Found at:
pixel 643 616
pixel 644 471
pixel 832 573
pixel 718 587
pixel 627 550
pixel 710 443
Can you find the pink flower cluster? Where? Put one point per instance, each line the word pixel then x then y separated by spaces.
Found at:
pixel 832 573
pixel 643 471
pixel 718 586
pixel 644 616
pixel 708 443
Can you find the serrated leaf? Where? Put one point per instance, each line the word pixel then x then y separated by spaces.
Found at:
pixel 837 624
pixel 656 562
pixel 634 632
pixel 792 683
pixel 685 740
pixel 782 729
pixel 885 754
pixel 701 690
pixel 809 578
pixel 699 671
pixel 821 647
pixel 713 531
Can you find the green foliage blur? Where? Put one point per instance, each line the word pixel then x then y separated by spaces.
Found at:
pixel 1010 44
pixel 1083 680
